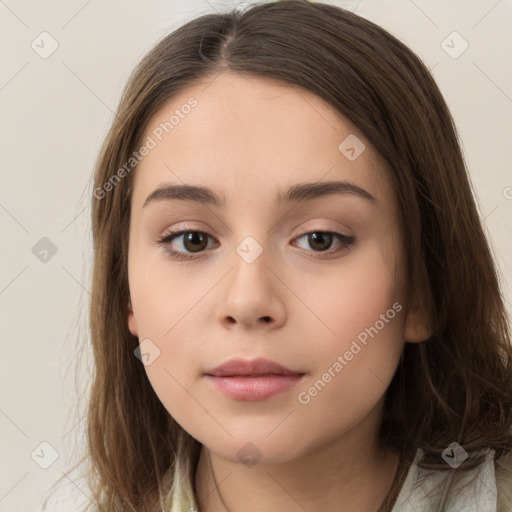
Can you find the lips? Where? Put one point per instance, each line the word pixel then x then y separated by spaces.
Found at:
pixel 254 368
pixel 252 381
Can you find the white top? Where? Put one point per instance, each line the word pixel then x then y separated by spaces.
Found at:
pixel 422 489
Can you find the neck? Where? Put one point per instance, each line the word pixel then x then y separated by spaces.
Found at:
pixel 353 471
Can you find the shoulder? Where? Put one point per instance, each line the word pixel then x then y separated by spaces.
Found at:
pixel 504 482
pixel 486 488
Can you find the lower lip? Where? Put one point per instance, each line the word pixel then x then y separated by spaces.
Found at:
pixel 253 389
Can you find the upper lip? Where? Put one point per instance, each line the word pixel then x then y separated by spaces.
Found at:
pixel 259 366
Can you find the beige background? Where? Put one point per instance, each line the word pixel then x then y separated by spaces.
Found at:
pixel 54 114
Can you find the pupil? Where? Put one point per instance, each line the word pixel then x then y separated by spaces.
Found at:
pixel 314 237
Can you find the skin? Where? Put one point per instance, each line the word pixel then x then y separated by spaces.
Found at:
pixel 247 139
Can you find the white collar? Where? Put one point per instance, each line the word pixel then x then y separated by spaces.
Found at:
pixel 422 489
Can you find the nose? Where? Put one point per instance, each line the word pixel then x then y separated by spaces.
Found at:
pixel 252 295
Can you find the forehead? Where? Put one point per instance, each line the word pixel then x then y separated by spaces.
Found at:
pixel 251 137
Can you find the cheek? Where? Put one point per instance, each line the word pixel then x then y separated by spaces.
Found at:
pixel 354 296
pixel 162 297
pixel 162 308
pixel 167 307
pixel 360 337
pixel 174 373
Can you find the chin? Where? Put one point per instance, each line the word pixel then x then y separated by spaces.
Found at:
pixel 250 450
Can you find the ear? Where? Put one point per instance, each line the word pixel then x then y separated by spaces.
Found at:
pixel 417 328
pixel 132 323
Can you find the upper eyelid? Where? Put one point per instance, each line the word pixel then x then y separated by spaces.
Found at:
pixel 176 232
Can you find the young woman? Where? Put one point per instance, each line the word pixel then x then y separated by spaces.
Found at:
pixel 294 306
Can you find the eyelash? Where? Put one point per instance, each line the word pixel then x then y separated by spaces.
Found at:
pixel 170 235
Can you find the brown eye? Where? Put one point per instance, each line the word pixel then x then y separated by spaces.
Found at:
pixel 321 242
pixel 192 241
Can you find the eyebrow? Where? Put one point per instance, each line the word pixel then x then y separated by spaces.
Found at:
pixel 296 193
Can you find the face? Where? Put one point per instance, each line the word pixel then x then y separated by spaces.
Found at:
pixel 309 278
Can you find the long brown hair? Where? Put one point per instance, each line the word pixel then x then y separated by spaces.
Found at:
pixel 454 386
